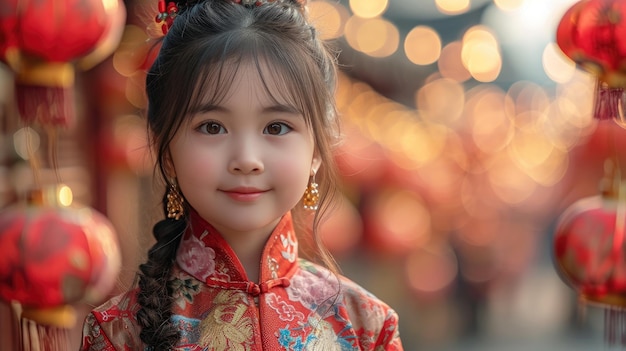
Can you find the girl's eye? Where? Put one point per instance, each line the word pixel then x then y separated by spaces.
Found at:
pixel 212 128
pixel 277 129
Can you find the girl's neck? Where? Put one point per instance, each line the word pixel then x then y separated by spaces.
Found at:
pixel 249 252
pixel 249 246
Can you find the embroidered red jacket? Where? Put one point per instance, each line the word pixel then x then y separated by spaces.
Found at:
pixel 297 306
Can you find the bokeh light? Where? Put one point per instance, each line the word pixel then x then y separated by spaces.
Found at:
pixel 376 37
pixel 397 220
pixel 431 269
pixel 480 54
pixel 508 5
pixel 557 66
pixel 450 64
pixel 441 100
pixel 453 7
pixel 422 45
pixel 26 142
pixel 65 196
pixel 489 113
pixel 329 18
pixel 368 8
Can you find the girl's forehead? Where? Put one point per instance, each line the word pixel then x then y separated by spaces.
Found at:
pixel 267 81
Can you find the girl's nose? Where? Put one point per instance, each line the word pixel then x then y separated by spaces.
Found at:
pixel 246 157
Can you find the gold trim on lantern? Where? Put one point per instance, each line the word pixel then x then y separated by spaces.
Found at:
pixel 57 74
pixel 62 316
pixel 613 300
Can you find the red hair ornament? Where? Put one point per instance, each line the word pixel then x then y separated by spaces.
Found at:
pixel 168 11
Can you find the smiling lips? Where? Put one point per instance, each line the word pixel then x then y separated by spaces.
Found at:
pixel 244 194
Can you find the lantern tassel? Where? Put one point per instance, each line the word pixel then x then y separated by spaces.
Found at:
pixel 615 326
pixel 607 101
pixel 615 316
pixel 44 329
pixel 46 105
pixel 44 92
pixel 37 337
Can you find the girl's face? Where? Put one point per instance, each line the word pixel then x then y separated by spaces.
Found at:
pixel 246 161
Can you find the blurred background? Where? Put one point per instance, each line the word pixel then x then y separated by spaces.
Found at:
pixel 467 133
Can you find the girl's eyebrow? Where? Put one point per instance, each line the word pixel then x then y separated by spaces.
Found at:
pixel 205 108
pixel 280 108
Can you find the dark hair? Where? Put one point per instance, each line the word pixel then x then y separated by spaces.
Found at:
pixel 200 53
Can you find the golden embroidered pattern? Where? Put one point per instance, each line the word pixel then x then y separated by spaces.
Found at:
pixel 226 327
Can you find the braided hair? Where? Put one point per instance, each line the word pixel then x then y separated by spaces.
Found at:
pixel 200 53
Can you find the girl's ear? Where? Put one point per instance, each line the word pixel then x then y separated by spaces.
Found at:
pixel 315 164
pixel 168 166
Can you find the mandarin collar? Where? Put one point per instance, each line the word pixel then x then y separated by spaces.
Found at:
pixel 205 254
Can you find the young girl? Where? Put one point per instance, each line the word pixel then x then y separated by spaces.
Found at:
pixel 242 118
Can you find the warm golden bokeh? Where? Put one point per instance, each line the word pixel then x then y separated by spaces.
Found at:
pixel 441 101
pixel 450 63
pixel 453 7
pixel 376 37
pixel 422 45
pixel 480 54
pixel 508 5
pixel 368 8
pixel 329 18
pixel 556 65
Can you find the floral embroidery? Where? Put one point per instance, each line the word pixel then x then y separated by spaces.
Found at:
pixel 326 340
pixel 188 328
pixel 226 327
pixel 291 343
pixel 184 290
pixel 291 247
pixel 367 339
pixel 286 312
pixel 196 257
pixel 315 312
pixel 272 265
pixel 323 338
pixel 312 291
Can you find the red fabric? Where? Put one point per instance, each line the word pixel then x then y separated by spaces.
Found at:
pixel 296 306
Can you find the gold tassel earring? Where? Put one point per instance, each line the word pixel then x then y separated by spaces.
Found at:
pixel 175 202
pixel 311 197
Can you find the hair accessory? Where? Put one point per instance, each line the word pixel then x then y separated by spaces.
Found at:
pixel 168 12
pixel 311 197
pixel 166 15
pixel 175 202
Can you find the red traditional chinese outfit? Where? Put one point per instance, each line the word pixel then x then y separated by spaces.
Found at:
pixel 297 306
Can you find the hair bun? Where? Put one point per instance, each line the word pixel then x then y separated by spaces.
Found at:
pixel 168 10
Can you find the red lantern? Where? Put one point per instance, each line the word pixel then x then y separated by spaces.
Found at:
pixel 593 34
pixel 590 252
pixel 40 40
pixel 53 256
